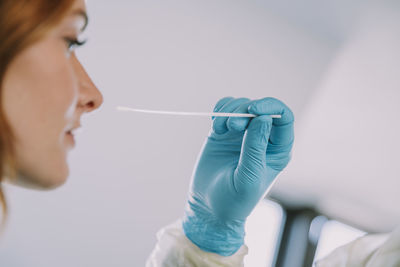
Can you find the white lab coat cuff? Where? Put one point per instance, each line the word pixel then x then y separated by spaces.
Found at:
pixel 174 249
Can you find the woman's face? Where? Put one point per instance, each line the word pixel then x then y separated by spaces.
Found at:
pixel 45 92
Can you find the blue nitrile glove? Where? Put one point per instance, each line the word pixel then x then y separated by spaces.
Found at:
pixel 239 160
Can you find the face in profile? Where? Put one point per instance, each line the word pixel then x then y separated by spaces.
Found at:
pixel 45 92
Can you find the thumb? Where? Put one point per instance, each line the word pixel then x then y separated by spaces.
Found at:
pixel 252 163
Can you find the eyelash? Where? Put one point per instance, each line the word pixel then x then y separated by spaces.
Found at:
pixel 73 43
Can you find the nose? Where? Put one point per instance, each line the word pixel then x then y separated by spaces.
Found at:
pixel 90 98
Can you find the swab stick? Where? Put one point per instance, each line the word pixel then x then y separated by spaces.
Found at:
pixel 208 114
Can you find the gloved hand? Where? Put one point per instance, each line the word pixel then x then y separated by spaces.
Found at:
pixel 239 160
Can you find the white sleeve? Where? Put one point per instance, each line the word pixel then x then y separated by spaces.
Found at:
pixel 372 251
pixel 174 249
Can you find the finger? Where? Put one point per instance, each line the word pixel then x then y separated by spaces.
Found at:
pixel 282 132
pixel 219 123
pixel 239 123
pixel 221 102
pixel 252 160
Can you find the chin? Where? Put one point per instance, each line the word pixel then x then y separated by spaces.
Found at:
pixel 49 184
pixel 41 182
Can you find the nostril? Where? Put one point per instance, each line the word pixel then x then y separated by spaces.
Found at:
pixel 90 104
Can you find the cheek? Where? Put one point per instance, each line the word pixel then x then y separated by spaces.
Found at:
pixel 39 97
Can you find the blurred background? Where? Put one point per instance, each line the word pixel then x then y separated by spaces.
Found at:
pixel 335 63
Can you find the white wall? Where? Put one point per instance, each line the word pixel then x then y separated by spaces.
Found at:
pixel 130 173
pixel 345 160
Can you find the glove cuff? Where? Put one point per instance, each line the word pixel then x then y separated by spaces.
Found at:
pixel 212 235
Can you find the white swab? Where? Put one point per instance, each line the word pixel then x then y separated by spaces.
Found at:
pixel 208 114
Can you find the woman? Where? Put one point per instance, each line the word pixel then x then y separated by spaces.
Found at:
pixel 44 92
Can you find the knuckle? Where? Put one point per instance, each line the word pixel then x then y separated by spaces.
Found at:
pixel 222 102
pixel 219 126
pixel 237 124
pixel 243 99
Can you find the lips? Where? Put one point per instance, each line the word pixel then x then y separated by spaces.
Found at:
pixel 70 134
pixel 74 129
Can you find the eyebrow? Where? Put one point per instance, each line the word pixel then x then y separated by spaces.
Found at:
pixel 84 15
